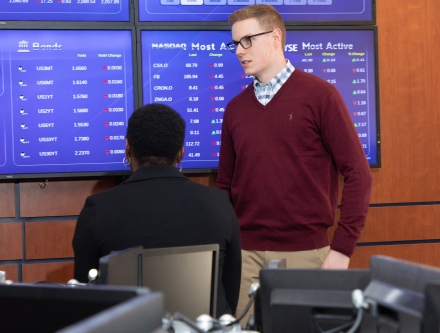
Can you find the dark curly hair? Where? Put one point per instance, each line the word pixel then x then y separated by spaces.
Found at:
pixel 155 133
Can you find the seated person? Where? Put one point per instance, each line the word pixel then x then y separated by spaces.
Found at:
pixel 157 206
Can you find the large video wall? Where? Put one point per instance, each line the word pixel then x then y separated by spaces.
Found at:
pixel 72 72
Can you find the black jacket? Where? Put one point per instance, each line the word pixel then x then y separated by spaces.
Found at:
pixel 159 207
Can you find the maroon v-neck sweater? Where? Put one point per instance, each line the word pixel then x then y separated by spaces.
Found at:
pixel 280 164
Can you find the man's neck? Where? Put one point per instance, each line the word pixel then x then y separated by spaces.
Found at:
pixel 273 71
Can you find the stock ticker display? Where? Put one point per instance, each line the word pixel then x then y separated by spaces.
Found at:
pixel 65 98
pixel 290 10
pixel 65 10
pixel 195 73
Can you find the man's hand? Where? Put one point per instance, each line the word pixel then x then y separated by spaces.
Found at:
pixel 336 260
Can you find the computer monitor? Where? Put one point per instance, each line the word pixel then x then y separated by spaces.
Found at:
pixel 397 287
pixel 48 308
pixel 190 69
pixel 307 300
pixel 296 12
pixel 431 315
pixel 66 94
pixel 139 314
pixel 186 275
pixel 121 268
pixel 66 11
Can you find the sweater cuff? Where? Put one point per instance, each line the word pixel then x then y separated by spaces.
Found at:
pixel 344 244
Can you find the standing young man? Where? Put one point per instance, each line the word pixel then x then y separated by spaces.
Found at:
pixel 285 140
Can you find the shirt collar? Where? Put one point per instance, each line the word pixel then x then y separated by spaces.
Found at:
pixel 280 78
pixel 265 92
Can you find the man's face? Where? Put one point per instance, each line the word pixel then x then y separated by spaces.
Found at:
pixel 257 59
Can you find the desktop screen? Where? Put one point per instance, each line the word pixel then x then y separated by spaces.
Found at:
pixel 186 275
pixel 48 308
pixel 139 314
pixel 397 288
pixel 66 96
pixel 292 11
pixel 121 268
pixel 195 73
pixel 307 300
pixel 65 10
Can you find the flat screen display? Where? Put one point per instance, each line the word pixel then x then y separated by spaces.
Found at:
pixel 292 11
pixel 65 98
pixel 195 73
pixel 64 10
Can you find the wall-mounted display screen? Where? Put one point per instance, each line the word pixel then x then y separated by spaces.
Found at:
pixel 65 10
pixel 195 73
pixel 292 11
pixel 65 98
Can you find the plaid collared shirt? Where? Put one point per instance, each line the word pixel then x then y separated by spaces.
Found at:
pixel 265 92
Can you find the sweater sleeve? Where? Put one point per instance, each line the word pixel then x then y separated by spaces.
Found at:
pixel 341 139
pixel 84 245
pixel 232 265
pixel 227 158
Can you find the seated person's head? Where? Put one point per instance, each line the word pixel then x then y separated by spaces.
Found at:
pixel 155 135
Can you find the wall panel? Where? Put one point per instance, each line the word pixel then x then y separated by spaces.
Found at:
pixel 49 239
pixel 7 200
pixel 204 179
pixel 11 272
pixel 11 247
pixel 60 272
pixel 59 197
pixel 402 223
pixel 427 254
pixel 409 47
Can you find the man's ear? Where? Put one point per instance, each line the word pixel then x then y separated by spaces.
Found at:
pixel 277 36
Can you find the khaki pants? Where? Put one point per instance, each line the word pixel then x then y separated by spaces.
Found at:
pixel 253 261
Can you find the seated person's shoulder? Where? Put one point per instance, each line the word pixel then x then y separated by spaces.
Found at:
pixel 209 191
